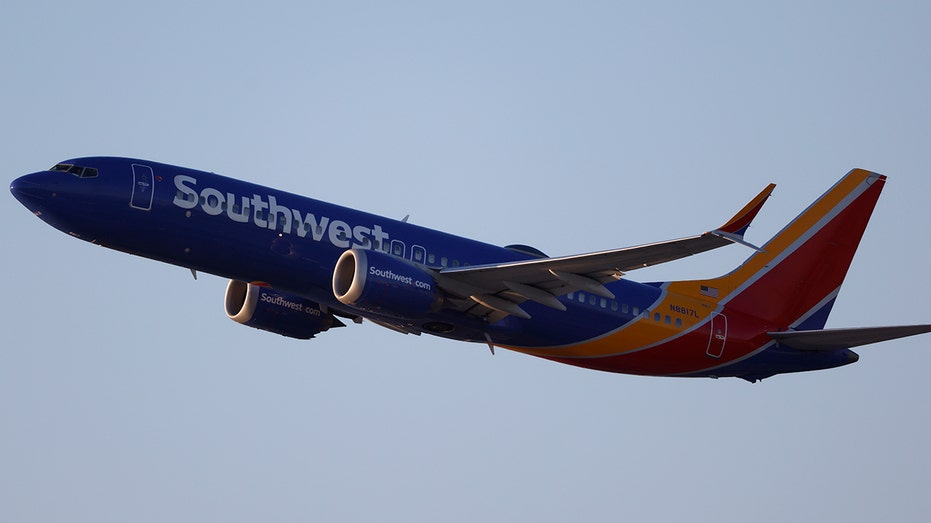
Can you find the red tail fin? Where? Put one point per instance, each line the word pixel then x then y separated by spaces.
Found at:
pixel 793 282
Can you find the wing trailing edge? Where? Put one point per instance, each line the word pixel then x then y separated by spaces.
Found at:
pixel 836 339
pixel 498 288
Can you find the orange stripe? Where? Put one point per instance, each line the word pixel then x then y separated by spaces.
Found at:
pixel 782 241
pixel 644 332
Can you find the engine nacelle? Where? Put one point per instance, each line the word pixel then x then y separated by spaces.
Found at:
pixel 273 311
pixel 378 282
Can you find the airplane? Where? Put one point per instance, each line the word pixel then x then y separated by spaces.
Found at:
pixel 297 265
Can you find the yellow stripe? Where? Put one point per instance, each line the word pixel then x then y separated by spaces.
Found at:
pixel 638 334
pixel 644 332
pixel 775 247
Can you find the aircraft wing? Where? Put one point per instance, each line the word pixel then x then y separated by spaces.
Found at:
pixel 496 290
pixel 836 339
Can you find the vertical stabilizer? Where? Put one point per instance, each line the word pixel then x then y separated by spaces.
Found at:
pixel 793 281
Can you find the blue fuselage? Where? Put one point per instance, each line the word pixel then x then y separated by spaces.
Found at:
pixel 247 232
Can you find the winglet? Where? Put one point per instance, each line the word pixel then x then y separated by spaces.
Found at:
pixel 737 226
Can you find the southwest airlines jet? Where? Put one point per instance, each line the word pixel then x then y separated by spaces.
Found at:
pixel 297 265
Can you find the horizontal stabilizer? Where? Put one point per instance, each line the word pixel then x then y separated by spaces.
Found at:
pixel 835 339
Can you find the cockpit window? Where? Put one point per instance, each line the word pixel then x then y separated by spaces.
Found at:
pixel 77 170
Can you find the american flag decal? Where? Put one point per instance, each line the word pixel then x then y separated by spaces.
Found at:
pixel 711 292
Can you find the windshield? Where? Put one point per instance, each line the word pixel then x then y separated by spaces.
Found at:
pixel 77 170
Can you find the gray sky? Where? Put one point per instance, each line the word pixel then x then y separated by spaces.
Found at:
pixel 126 395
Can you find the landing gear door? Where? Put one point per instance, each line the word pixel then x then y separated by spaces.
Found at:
pixel 718 336
pixel 143 187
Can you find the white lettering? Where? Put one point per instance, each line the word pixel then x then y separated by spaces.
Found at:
pixel 267 213
pixel 279 301
pixel 309 223
pixel 380 236
pixel 388 274
pixel 313 311
pixel 259 207
pixel 237 213
pixel 274 210
pixel 339 234
pixel 361 236
pixel 212 201
pixel 189 200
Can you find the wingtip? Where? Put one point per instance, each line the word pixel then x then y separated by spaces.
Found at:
pixel 738 225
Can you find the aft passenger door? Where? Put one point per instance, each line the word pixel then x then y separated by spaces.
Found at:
pixel 718 335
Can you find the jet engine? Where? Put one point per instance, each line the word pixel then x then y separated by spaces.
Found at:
pixel 269 310
pixel 380 283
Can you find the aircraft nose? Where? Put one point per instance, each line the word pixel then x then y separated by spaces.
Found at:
pixel 28 191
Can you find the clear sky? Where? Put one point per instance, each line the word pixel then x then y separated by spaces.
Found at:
pixel 126 395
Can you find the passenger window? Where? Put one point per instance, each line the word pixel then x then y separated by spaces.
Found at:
pixel 668 320
pixel 625 308
pixel 678 322
pixel 656 316
pixel 431 259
